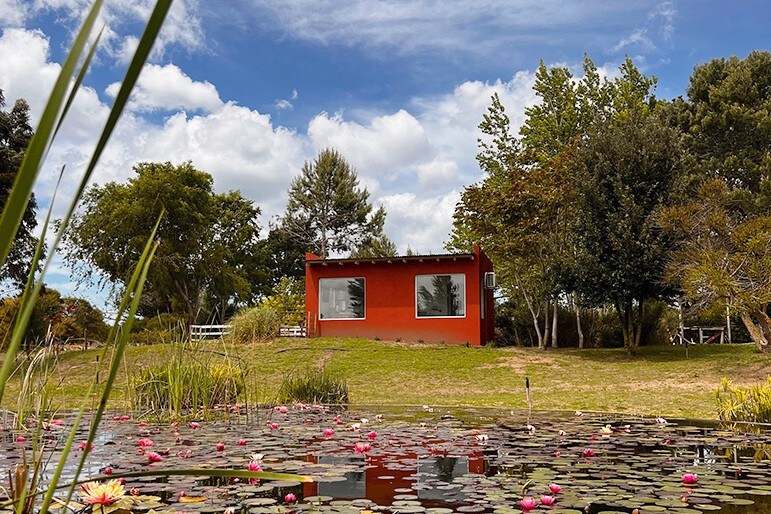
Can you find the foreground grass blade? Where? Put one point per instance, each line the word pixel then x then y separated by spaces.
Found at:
pixel 134 293
pixel 12 215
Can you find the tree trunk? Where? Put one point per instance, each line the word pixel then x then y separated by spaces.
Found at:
pixel 542 344
pixel 554 325
pixel 578 322
pixel 759 335
pixel 627 326
pixel 534 314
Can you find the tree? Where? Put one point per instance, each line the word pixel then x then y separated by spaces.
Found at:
pixel 15 133
pixel 723 231
pixel 627 169
pixel 373 247
pixel 210 252
pixel 326 210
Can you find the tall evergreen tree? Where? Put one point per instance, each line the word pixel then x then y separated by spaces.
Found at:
pixel 15 133
pixel 327 211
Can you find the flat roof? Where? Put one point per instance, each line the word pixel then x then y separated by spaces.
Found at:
pixel 393 260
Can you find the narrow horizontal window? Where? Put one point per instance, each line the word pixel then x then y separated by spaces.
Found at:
pixel 341 298
pixel 440 296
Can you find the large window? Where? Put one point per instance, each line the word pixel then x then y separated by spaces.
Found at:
pixel 341 298
pixel 440 295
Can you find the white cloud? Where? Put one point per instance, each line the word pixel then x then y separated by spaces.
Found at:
pixel 420 223
pixel 666 12
pixel 287 103
pixel 169 88
pixel 378 150
pixel 638 38
pixel 12 13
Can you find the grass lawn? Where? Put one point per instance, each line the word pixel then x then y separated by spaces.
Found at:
pixel 659 381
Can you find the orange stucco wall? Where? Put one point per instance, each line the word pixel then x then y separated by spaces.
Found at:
pixel 390 300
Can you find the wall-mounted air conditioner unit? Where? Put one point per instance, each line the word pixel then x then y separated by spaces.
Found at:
pixel 490 282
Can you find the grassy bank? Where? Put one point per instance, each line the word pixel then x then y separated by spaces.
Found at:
pixel 660 381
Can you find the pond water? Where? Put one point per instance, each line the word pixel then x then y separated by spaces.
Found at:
pixel 433 461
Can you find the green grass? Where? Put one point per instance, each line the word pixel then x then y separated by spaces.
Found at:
pixel 659 381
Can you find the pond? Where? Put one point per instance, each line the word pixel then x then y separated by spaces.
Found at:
pixel 432 461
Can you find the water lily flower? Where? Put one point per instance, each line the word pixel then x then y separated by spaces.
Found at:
pixel 85 447
pixel 607 429
pixel 254 465
pixel 21 439
pixel 372 435
pixel 364 421
pixel 257 456
pixel 194 424
pixel 555 488
pixel 290 498
pixel 328 432
pixel 185 454
pixel 362 447
pixel 528 503
pixel 125 417
pixel 153 456
pixel 220 446
pixel 94 493
pixel 272 424
pixel 242 442
pixel 134 491
pixel 558 454
pixel 530 429
pixel 57 422
pixel 666 441
pixel 145 442
pixel 378 417
pixel 482 437
pixel 142 424
pixel 355 426
pixel 229 510
pixel 579 413
pixel 281 409
pixel 588 452
pixel 661 421
pixel 562 433
pixel 308 421
pixel 547 500
pixel 690 478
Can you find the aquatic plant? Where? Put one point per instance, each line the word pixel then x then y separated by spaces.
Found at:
pixel 737 403
pixel 314 386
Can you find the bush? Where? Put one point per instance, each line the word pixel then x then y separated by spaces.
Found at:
pixel 255 324
pixel 314 386
pixel 288 300
pixel 738 403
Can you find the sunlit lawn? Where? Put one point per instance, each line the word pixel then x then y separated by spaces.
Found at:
pixel 660 381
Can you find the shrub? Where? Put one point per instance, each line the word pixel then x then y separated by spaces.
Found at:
pixel 736 403
pixel 254 324
pixel 314 386
pixel 159 329
pixel 288 300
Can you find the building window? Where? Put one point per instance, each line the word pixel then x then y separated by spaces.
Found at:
pixel 440 296
pixel 341 298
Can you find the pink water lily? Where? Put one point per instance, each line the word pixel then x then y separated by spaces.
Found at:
pixel 372 435
pixel 290 498
pixel 220 446
pixel 145 442
pixel 194 424
pixel 555 488
pixel 528 503
pixel 85 447
pixel 254 465
pixel 328 432
pixel 272 424
pixel 142 424
pixel 21 439
pixel 361 447
pixel 242 442
pixel 690 478
pixel 547 500
pixel 153 456
pixel 588 452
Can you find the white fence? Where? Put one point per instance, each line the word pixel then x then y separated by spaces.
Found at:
pixel 207 332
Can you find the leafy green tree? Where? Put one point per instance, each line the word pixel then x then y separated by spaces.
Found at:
pixel 210 251
pixel 15 133
pixel 628 169
pixel 724 230
pixel 287 299
pixel 327 210
pixel 286 255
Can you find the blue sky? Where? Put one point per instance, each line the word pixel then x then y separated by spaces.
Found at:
pixel 250 89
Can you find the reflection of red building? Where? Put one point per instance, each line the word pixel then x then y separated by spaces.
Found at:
pixel 433 298
pixel 381 477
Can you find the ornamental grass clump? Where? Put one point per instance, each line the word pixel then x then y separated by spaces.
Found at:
pixel 256 324
pixel 314 386
pixel 737 403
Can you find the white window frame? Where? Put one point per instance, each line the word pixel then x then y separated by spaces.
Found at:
pixel 465 296
pixel 343 319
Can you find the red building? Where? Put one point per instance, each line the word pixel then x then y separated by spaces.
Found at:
pixel 432 298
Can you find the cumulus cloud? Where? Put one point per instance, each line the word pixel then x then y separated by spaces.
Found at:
pixel 13 13
pixel 419 223
pixel 287 103
pixel 169 88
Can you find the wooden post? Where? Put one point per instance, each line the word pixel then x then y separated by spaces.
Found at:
pixel 680 319
pixel 701 335
pixel 722 332
pixel 527 395
pixel 728 321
